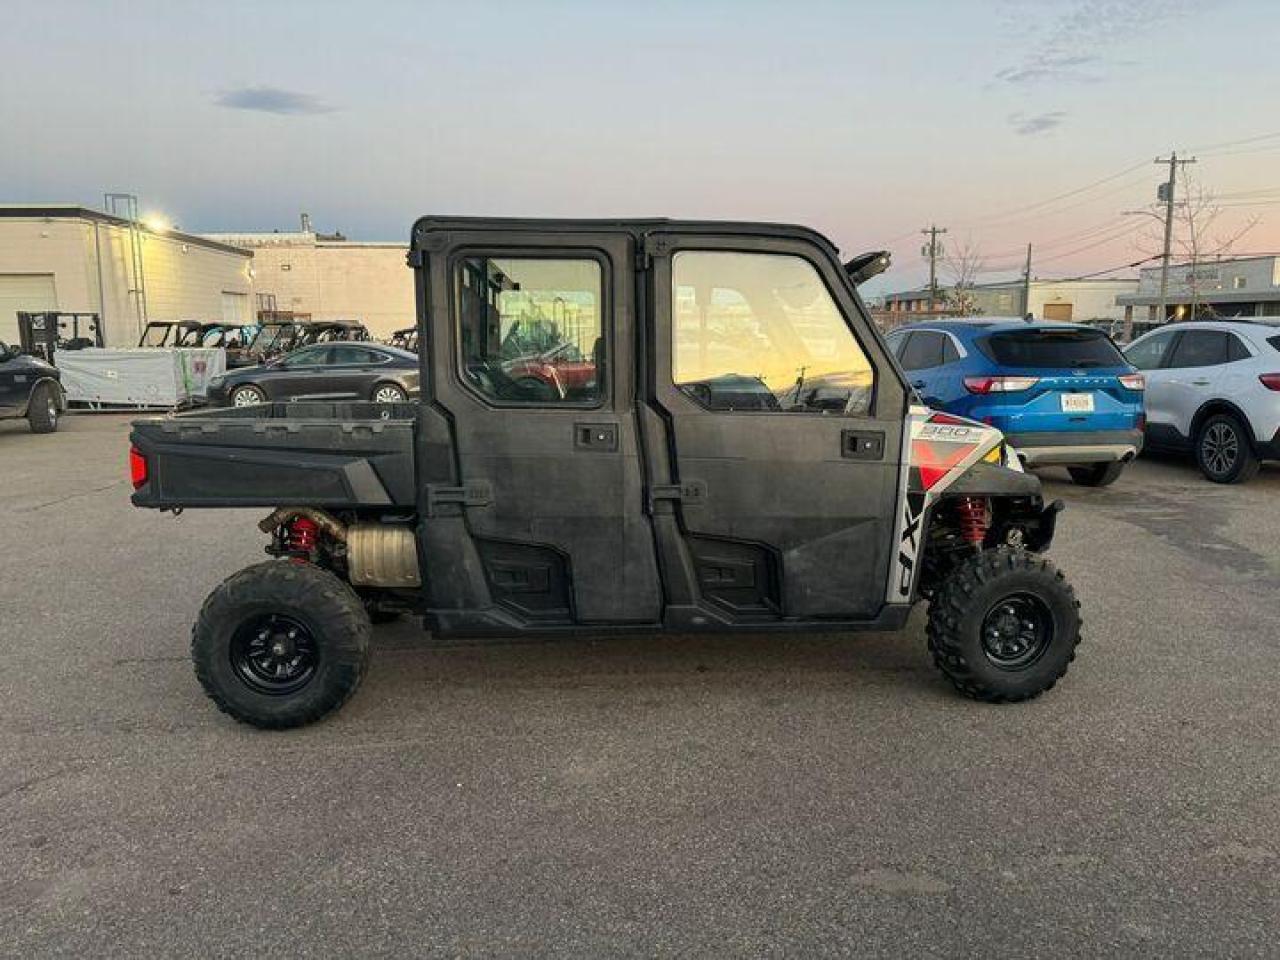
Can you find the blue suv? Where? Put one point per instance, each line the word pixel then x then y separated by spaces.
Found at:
pixel 1060 392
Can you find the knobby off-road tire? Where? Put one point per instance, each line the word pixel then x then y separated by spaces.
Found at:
pixel 42 409
pixel 978 623
pixel 1097 474
pixel 280 644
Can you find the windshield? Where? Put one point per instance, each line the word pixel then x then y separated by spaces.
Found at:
pixel 1053 347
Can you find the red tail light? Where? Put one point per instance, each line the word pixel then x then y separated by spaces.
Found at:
pixel 1133 381
pixel 1270 380
pixel 137 468
pixel 986 385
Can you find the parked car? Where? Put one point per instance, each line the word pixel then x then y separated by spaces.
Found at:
pixel 323 371
pixel 405 338
pixel 30 388
pixel 561 372
pixel 1061 393
pixel 1213 390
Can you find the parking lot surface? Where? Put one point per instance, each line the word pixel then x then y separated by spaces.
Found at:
pixel 761 795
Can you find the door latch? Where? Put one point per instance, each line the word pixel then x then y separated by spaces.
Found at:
pixel 598 437
pixel 862 444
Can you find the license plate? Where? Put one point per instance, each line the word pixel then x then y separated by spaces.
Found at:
pixel 1077 403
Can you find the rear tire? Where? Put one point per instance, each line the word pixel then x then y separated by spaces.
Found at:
pixel 1004 626
pixel 42 409
pixel 1097 474
pixel 281 644
pixel 247 396
pixel 389 393
pixel 1224 452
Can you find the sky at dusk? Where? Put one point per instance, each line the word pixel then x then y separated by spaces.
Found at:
pixel 1009 121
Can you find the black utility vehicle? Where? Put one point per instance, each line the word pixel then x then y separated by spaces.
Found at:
pixel 31 388
pixel 746 456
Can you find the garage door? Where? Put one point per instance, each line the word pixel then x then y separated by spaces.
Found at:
pixel 23 291
pixel 1057 311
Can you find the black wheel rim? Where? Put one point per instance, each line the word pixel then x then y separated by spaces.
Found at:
pixel 274 654
pixel 1016 631
pixel 1220 448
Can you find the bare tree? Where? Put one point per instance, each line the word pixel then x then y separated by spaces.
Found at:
pixel 963 263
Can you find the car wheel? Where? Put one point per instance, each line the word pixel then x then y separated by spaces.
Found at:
pixel 281 644
pixel 1223 451
pixel 1097 474
pixel 389 393
pixel 42 409
pixel 1004 626
pixel 247 396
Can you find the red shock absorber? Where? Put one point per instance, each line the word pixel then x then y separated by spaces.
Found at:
pixel 974 520
pixel 301 536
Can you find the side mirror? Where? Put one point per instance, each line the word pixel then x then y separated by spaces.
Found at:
pixel 867 265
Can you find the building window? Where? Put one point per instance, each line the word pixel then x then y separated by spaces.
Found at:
pixel 286 266
pixel 1239 282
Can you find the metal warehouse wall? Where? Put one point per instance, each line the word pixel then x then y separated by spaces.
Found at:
pixel 339 281
pixel 184 279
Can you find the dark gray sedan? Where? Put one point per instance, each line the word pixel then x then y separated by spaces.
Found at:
pixel 323 371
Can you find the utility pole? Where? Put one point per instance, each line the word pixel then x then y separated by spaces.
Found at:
pixel 932 250
pixel 1165 193
pixel 1026 287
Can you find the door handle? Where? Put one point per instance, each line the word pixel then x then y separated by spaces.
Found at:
pixel 1199 383
pixel 596 437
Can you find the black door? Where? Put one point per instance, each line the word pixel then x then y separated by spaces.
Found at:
pixel 784 418
pixel 547 477
pixel 14 383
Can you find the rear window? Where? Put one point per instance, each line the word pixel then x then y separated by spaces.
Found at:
pixel 1274 341
pixel 1052 348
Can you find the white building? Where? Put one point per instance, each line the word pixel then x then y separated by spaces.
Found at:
pixel 73 259
pixel 332 278
pixel 1240 287
pixel 1078 300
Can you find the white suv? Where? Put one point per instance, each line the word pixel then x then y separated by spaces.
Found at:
pixel 1213 387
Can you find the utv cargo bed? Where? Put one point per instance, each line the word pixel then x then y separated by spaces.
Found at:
pixel 337 455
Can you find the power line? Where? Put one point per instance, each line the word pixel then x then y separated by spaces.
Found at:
pixel 1063 196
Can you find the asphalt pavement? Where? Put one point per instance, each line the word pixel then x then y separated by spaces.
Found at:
pixel 682 796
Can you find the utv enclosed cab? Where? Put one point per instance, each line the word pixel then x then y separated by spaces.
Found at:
pixel 743 455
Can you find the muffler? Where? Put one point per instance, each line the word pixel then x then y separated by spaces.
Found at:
pixel 382 555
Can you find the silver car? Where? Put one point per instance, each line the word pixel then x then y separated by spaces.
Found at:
pixel 1213 388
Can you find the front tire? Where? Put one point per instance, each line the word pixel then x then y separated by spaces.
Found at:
pixel 281 644
pixel 1004 626
pixel 1224 452
pixel 42 409
pixel 1097 474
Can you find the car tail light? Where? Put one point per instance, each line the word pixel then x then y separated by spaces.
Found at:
pixel 1270 380
pixel 986 385
pixel 137 468
pixel 1133 381
pixel 1141 422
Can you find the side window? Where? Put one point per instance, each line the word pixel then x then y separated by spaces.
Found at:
pixel 531 330
pixel 757 331
pixel 1147 354
pixel 949 352
pixel 924 351
pixel 895 342
pixel 313 357
pixel 1236 350
pixel 1200 348
pixel 344 354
